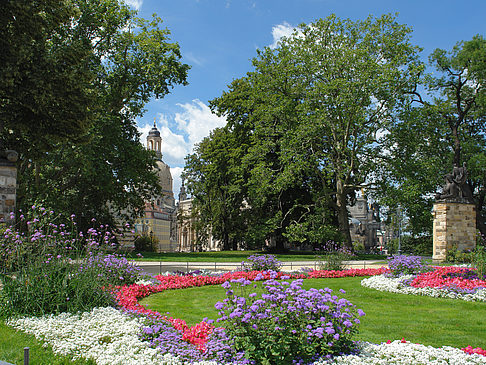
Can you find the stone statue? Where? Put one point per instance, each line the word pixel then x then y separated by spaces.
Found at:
pixel 456 189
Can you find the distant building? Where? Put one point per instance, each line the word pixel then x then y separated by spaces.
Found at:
pixel 186 227
pixel 365 224
pixel 159 219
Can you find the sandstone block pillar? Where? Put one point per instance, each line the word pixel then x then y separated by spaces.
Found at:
pixel 8 185
pixel 454 226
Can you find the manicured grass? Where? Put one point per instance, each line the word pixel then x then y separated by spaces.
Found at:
pixel 12 345
pixel 233 256
pixel 430 321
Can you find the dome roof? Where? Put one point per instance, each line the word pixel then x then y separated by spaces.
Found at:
pixel 154 132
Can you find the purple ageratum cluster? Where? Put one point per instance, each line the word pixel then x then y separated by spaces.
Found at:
pixel 261 263
pixel 115 269
pixel 219 348
pixel 287 324
pixel 406 265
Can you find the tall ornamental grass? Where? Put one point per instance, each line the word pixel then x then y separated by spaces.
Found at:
pixel 49 267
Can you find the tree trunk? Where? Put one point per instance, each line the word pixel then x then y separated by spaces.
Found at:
pixel 279 241
pixel 457 146
pixel 226 242
pixel 342 214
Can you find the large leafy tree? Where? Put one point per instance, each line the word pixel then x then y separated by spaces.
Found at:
pixel 443 129
pixel 216 181
pixel 100 170
pixel 318 102
pixel 46 90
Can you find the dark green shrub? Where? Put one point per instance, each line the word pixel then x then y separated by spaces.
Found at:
pixel 146 243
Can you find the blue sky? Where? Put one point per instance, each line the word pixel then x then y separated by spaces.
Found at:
pixel 218 39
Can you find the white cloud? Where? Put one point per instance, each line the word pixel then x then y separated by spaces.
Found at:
pixel 190 126
pixel 279 31
pixel 197 120
pixel 136 4
pixel 176 177
pixel 193 59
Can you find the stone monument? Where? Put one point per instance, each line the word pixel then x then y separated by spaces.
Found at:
pixel 454 215
pixel 8 185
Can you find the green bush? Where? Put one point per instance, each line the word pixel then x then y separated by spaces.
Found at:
pixel 52 269
pixel 146 243
pixel 331 256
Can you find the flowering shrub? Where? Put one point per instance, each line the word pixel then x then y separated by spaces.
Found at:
pixel 261 263
pixel 287 323
pixel 113 268
pixel 332 256
pixel 46 269
pixel 405 265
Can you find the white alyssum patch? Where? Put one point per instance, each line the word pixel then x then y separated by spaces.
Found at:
pixel 394 285
pixel 405 354
pixel 109 336
pixel 104 334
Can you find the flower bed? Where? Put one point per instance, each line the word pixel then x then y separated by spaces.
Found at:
pixel 128 296
pixel 436 283
pixel 139 335
pixel 109 336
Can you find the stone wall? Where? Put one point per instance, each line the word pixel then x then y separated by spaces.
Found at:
pixel 8 185
pixel 454 226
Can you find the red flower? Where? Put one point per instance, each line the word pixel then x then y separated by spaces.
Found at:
pixel 127 296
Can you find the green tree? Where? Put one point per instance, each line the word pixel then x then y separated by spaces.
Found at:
pixel 46 90
pixel 103 171
pixel 215 181
pixel 318 102
pixel 450 123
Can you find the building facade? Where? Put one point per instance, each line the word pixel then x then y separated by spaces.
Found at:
pixel 159 218
pixel 365 226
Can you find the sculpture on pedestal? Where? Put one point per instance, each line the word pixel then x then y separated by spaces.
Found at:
pixel 455 190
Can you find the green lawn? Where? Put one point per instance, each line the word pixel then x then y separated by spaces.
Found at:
pixel 233 256
pixel 426 320
pixel 12 345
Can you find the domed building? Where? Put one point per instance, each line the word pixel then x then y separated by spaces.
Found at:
pixel 159 218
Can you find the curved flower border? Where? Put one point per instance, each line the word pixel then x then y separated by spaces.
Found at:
pixel 97 335
pixel 432 284
pixel 128 296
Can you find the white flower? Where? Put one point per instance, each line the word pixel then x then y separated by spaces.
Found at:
pixel 109 336
pixel 105 335
pixel 406 354
pixel 394 285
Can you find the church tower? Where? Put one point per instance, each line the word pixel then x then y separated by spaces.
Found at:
pixel 182 192
pixel 154 141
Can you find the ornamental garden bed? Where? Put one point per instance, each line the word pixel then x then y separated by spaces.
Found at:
pixel 90 310
pixel 389 318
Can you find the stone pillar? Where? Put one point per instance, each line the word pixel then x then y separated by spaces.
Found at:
pixel 8 185
pixel 454 225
